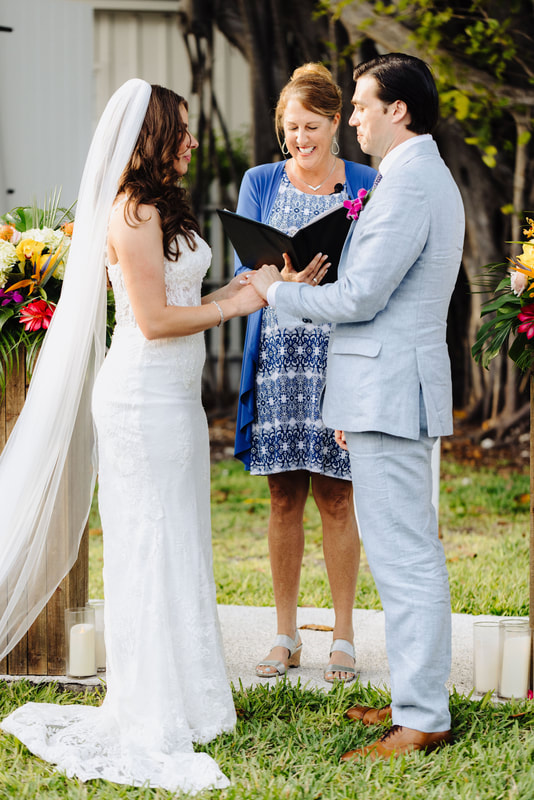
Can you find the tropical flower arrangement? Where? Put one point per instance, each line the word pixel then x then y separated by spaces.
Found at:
pixel 34 246
pixel 513 309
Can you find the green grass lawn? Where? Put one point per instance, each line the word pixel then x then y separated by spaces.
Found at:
pixel 484 524
pixel 287 744
pixel 288 739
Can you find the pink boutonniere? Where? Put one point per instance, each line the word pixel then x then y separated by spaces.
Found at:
pixel 355 206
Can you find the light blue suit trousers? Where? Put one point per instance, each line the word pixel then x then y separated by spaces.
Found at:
pixel 392 480
pixel 388 349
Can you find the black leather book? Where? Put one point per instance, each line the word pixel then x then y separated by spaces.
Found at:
pixel 257 243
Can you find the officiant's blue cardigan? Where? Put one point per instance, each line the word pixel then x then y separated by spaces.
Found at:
pixel 257 194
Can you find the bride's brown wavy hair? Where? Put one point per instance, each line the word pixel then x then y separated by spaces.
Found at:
pixel 150 176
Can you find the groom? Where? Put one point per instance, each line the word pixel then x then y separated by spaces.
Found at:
pixel 388 388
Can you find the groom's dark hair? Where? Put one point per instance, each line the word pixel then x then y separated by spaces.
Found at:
pixel 406 78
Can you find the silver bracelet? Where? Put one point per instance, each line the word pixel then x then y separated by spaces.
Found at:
pixel 215 303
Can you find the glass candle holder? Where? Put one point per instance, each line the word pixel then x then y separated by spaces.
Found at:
pixel 100 646
pixel 515 663
pixel 80 642
pixel 486 655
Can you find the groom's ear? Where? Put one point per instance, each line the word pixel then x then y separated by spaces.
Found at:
pixel 400 113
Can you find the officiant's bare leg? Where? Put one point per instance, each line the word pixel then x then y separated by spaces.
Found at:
pixel 341 548
pixel 289 491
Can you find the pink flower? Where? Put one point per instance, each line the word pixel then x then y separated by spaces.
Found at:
pixel 518 282
pixel 355 206
pixel 36 315
pixel 526 315
pixel 530 694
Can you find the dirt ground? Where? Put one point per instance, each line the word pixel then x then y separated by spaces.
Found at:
pixel 466 446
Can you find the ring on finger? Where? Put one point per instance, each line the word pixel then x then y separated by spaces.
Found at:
pixel 314 280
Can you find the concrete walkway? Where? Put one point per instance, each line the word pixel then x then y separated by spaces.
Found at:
pixel 248 633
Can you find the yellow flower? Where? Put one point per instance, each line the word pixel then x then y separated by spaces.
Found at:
pixel 529 232
pixel 29 249
pixel 525 262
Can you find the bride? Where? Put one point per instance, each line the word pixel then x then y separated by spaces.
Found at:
pixel 166 681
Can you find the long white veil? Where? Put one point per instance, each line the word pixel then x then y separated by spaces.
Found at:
pixel 48 466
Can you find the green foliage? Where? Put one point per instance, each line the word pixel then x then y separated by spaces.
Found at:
pixel 495 39
pixel 502 331
pixel 494 334
pixel 51 215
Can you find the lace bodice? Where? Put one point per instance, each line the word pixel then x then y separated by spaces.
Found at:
pixel 183 280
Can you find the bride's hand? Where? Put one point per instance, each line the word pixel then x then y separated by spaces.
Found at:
pixel 312 274
pixel 247 300
pixel 237 283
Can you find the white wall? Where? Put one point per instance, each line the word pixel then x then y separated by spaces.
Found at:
pixel 148 44
pixel 46 65
pixel 60 65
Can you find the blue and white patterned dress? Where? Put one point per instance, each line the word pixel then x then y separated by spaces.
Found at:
pixel 288 432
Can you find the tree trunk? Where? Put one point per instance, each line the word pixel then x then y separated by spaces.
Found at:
pixel 278 35
pixel 482 191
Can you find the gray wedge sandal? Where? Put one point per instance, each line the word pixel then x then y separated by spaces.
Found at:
pixel 345 647
pixel 294 651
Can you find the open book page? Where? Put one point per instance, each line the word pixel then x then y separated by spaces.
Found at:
pixel 257 243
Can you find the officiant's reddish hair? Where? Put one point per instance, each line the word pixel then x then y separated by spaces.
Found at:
pixel 407 78
pixel 312 85
pixel 150 177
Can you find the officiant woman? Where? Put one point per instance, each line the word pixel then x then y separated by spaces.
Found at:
pixel 280 432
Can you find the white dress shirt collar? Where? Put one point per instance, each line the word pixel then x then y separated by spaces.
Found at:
pixel 389 159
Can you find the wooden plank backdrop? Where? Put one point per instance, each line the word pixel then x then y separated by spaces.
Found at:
pixel 42 650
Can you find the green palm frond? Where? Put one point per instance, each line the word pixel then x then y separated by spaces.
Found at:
pixel 493 334
pixel 32 345
pixel 497 274
pixel 5 315
pixel 52 215
pixel 110 316
pixel 9 357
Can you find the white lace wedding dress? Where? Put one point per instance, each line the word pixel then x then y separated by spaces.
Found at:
pixel 166 679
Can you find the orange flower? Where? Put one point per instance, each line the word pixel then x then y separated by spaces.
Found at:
pixel 529 232
pixel 67 228
pixel 6 232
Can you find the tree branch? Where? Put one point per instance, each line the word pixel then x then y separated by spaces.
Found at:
pixel 360 19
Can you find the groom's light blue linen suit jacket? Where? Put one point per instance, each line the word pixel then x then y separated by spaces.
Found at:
pixel 397 273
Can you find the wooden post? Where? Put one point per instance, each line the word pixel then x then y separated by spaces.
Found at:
pixel 42 650
pixel 531 545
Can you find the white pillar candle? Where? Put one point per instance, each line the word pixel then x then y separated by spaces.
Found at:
pixel 100 646
pixel 82 650
pixel 100 650
pixel 515 661
pixel 486 656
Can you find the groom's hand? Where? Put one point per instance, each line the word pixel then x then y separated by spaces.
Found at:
pixel 265 277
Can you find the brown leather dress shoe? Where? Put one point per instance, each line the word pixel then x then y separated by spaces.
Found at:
pixel 397 741
pixel 369 715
